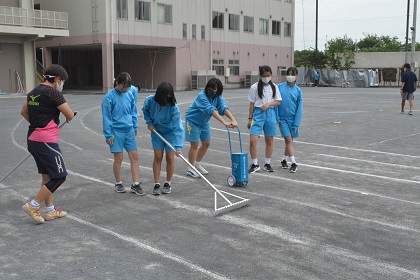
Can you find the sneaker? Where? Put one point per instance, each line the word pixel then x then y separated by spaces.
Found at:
pixel 284 164
pixel 201 169
pixel 254 168
pixel 268 168
pixel 166 188
pixel 402 112
pixel 119 188
pixel 34 213
pixel 136 189
pixel 293 168
pixel 410 112
pixel 156 190
pixel 57 213
pixel 192 173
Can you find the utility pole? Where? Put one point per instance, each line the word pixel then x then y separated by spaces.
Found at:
pixel 413 38
pixel 406 31
pixel 316 27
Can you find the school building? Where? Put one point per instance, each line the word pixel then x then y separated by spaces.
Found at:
pixel 184 42
pixel 22 24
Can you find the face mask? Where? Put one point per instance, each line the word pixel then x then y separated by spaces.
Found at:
pixel 266 80
pixel 210 93
pixel 291 79
pixel 123 90
pixel 58 86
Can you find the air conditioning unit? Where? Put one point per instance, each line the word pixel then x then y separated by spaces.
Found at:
pixel 251 77
pixel 199 78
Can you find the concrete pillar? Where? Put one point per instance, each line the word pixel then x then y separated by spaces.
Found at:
pixel 29 76
pixel 107 66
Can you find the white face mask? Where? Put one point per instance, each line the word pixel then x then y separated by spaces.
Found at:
pixel 266 80
pixel 59 86
pixel 291 79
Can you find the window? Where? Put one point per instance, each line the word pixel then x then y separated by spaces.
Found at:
pixel 287 29
pixel 142 10
pixel 234 67
pixel 184 30
pixel 164 13
pixel 248 24
pixel 233 22
pixel 281 71
pixel 275 28
pixel 203 32
pixel 217 20
pixel 288 1
pixel 194 31
pixel 263 26
pixel 218 66
pixel 122 9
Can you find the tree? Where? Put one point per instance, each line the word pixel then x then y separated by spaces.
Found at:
pixel 375 43
pixel 310 59
pixel 340 53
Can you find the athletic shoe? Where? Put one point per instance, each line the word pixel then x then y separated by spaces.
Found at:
pixel 34 213
pixel 402 112
pixel 136 189
pixel 192 173
pixel 166 188
pixel 268 168
pixel 284 164
pixel 119 188
pixel 410 112
pixel 254 168
pixel 156 190
pixel 293 168
pixel 201 169
pixel 57 213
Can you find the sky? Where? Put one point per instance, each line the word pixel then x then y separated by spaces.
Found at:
pixel 354 18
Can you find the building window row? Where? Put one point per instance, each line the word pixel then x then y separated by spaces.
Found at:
pixel 164 15
pixel 248 26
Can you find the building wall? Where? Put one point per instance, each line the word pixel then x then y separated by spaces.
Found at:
pixel 382 59
pixel 11 61
pixel 94 22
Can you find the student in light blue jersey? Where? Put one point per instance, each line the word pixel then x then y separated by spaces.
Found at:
pixel 120 123
pixel 162 114
pixel 263 97
pixel 289 116
pixel 209 103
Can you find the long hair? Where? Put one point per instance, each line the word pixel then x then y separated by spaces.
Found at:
pixel 53 71
pixel 265 69
pixel 165 94
pixel 214 83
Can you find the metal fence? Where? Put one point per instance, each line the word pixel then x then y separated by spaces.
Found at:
pixel 33 18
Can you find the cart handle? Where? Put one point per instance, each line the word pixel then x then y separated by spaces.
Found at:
pixel 240 140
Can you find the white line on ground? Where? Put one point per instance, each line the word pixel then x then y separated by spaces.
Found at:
pixel 369 161
pixel 361 174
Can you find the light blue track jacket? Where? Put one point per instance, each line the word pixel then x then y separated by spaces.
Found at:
pixel 166 120
pixel 200 112
pixel 119 112
pixel 291 105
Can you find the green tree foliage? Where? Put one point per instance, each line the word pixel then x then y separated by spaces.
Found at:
pixel 310 59
pixel 340 53
pixel 375 43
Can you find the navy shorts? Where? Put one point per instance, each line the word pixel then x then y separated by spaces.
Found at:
pixel 48 158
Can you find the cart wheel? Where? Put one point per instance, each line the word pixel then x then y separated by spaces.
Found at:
pixel 231 181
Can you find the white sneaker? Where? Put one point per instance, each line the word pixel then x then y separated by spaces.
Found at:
pixel 192 173
pixel 201 169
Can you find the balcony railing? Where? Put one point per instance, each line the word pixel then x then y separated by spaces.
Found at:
pixel 33 18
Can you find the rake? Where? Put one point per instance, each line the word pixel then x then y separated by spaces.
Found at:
pixel 217 211
pixel 26 157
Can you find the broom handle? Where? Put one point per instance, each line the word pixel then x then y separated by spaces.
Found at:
pixel 193 167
